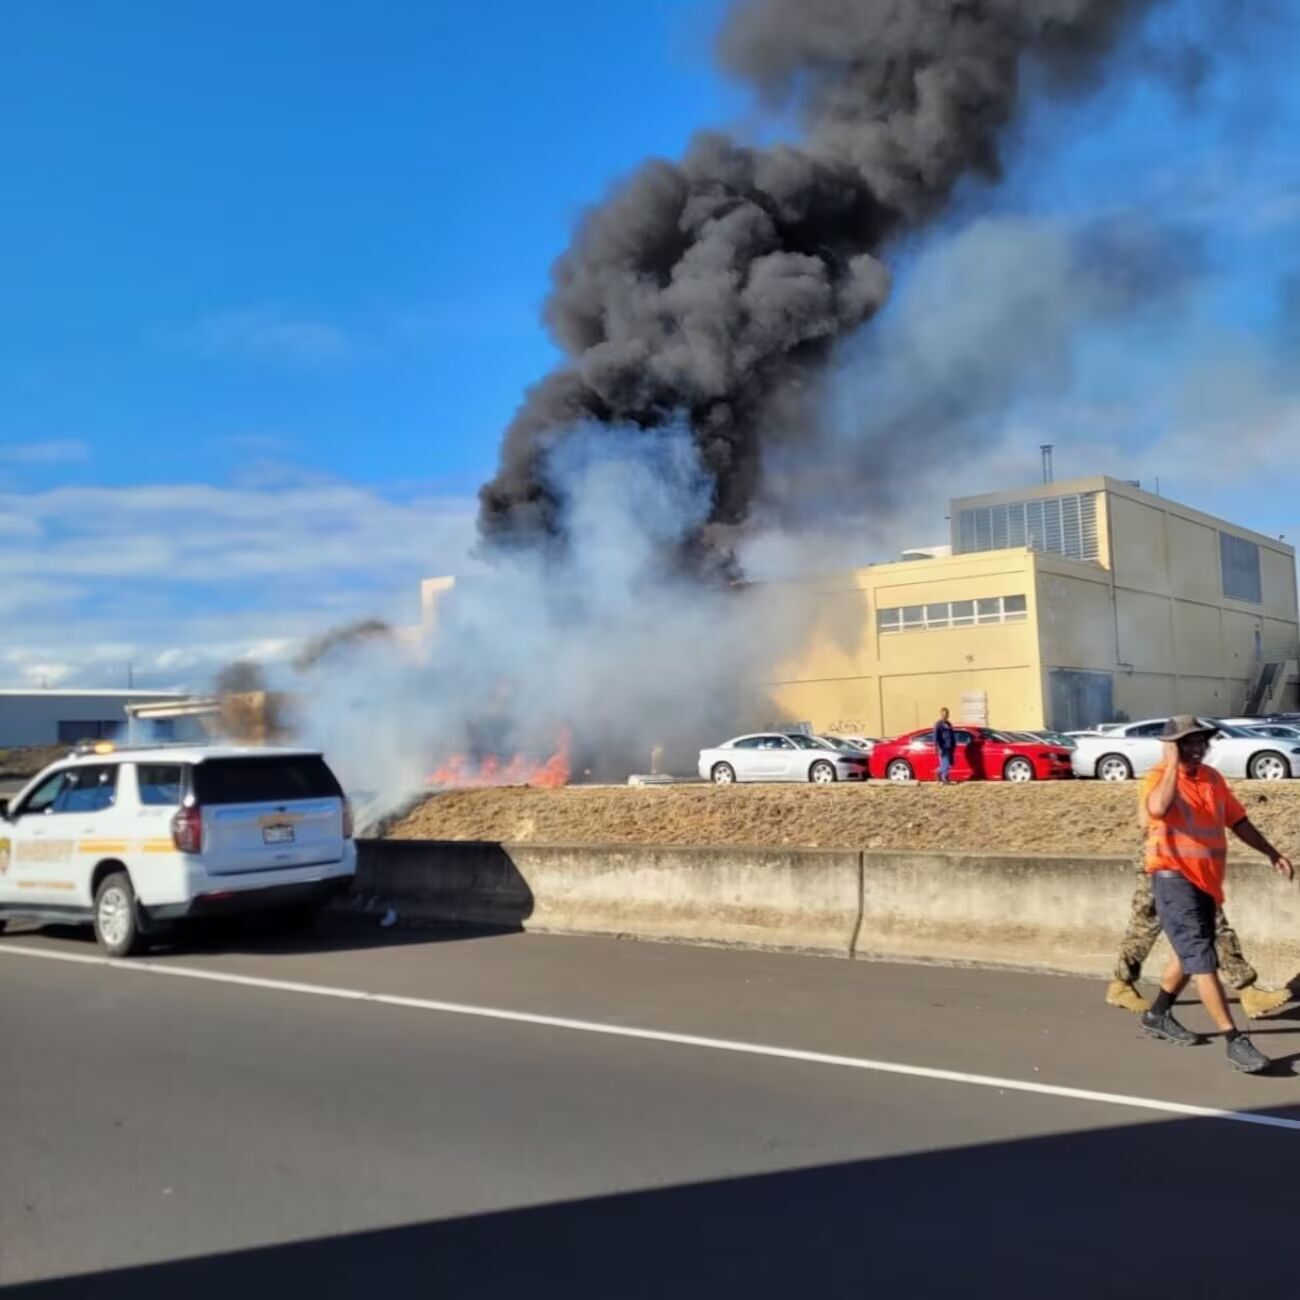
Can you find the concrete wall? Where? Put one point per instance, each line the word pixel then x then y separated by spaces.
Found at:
pixel 1044 913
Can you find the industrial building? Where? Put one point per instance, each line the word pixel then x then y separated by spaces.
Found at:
pixel 61 717
pixel 1062 606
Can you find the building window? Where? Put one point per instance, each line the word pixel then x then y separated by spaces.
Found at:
pixel 1065 525
pixel 957 613
pixel 1241 574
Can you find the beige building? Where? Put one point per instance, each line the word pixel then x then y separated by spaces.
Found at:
pixel 1060 606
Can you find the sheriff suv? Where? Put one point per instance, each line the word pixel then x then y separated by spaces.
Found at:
pixel 131 840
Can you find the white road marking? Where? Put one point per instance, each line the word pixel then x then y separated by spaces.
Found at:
pixel 663 1036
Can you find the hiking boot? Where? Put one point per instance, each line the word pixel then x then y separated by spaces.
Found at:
pixel 1125 996
pixel 1258 1003
pixel 1243 1055
pixel 1168 1030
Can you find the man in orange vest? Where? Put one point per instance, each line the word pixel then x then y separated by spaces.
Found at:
pixel 1189 809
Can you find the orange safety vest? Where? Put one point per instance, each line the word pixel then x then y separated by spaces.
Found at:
pixel 1191 838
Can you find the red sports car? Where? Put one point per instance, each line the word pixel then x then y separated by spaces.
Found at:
pixel 982 755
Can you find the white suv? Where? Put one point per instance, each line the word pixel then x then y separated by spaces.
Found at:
pixel 132 839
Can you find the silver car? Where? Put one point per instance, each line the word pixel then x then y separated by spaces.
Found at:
pixel 1122 751
pixel 780 756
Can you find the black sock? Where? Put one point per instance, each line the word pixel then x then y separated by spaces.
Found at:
pixel 1164 1001
pixel 1232 1035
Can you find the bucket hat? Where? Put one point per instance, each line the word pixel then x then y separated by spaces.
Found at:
pixel 1184 725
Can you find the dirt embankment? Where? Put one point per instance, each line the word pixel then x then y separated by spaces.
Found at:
pixel 1085 817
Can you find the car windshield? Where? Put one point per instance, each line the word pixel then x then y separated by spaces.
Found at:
pixel 834 742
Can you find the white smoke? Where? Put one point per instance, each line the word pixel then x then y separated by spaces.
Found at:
pixel 608 644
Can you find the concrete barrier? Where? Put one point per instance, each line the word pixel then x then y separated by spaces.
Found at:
pixel 1055 913
pixel 1041 913
pixel 458 882
pixel 796 899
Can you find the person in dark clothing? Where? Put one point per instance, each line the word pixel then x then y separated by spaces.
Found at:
pixel 945 744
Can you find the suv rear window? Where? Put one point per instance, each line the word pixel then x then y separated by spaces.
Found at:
pixel 264 780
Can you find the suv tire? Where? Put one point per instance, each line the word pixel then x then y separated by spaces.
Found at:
pixel 117 925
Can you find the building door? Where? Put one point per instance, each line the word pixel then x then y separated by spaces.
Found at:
pixel 1081 700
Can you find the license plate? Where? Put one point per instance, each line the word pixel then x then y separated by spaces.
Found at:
pixel 277 834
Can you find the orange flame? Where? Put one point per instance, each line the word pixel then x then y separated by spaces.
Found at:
pixel 462 774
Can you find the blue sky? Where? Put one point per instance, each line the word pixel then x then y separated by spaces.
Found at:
pixel 272 272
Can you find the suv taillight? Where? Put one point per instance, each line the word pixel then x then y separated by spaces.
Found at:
pixel 347 818
pixel 187 830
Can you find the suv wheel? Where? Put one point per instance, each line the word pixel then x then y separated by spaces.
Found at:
pixel 117 927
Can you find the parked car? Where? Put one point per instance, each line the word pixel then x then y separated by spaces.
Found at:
pixel 780 756
pixel 844 745
pixel 863 743
pixel 129 840
pixel 1123 751
pixel 1274 730
pixel 982 754
pixel 1065 740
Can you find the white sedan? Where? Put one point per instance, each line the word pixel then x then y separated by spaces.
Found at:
pixel 1121 751
pixel 780 756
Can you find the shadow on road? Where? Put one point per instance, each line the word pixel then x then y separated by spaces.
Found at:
pixel 1106 1213
pixel 333 932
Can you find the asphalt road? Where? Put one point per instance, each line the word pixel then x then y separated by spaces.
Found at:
pixel 162 1133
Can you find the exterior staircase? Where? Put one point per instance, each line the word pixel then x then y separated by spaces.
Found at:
pixel 1271 690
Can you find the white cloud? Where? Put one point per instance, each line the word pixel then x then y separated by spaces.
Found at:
pixel 53 451
pixel 205 534
pixel 181 579
pixel 266 335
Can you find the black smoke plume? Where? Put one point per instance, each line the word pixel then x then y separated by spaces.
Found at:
pixel 709 292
